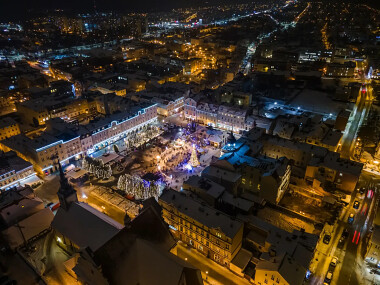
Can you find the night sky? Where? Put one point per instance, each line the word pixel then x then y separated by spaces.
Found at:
pixel 21 9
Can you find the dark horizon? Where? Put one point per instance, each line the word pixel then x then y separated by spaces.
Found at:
pixel 19 10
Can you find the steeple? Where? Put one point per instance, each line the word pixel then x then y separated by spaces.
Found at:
pixel 231 138
pixel 66 193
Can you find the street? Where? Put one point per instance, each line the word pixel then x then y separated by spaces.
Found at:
pixel 360 112
pixel 350 251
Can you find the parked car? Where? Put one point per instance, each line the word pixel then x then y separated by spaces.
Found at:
pixel 326 239
pixel 334 261
pixel 328 277
pixel 356 204
pixel 344 236
pixel 351 218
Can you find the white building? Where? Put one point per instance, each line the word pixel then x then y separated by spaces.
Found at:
pixel 14 170
pixel 219 116
pixel 68 142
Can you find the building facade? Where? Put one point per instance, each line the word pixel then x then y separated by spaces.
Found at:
pixel 14 170
pixel 219 116
pixel 8 128
pixel 194 224
pixel 69 143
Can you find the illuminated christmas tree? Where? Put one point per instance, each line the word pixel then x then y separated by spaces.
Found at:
pixel 194 159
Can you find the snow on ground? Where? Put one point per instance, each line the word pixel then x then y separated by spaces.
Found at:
pixel 317 101
pixel 283 221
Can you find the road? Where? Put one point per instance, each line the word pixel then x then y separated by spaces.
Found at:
pixel 358 115
pixel 350 252
pixel 352 256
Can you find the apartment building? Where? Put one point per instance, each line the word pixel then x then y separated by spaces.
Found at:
pixel 69 142
pixel 263 176
pixel 8 128
pixel 308 161
pixel 13 170
pixel 333 170
pixel 219 116
pixel 212 233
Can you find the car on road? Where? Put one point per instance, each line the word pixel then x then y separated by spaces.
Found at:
pixel 351 218
pixel 326 239
pixel 334 261
pixel 345 233
pixel 356 204
pixel 328 277
pixel 362 190
pixel 344 236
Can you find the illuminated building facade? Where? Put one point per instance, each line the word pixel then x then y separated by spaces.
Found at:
pixel 222 117
pixel 68 143
pixel 195 223
pixel 14 170
pixel 8 128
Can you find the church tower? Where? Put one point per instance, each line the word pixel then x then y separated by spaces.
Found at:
pixel 66 193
